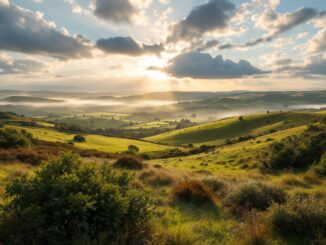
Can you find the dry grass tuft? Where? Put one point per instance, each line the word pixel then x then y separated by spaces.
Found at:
pixel 194 192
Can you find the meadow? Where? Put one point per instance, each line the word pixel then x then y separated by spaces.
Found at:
pixel 222 195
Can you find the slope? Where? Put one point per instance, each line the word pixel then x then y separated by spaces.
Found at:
pixel 218 132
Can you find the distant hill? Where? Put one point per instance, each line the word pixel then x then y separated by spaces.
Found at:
pixel 218 132
pixel 8 116
pixel 253 100
pixel 31 99
pixel 181 96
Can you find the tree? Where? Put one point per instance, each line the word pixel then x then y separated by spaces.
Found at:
pixel 133 148
pixel 74 203
pixel 79 138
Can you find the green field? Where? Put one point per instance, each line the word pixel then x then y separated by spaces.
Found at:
pixel 96 142
pixel 219 131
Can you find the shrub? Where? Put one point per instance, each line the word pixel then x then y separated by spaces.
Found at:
pixel 320 168
pixel 10 138
pixel 133 148
pixel 299 217
pixel 256 196
pixel 130 163
pixel 79 138
pixel 300 151
pixel 193 192
pixel 67 199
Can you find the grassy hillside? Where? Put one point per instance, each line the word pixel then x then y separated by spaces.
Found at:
pixel 96 142
pixel 230 159
pixel 218 132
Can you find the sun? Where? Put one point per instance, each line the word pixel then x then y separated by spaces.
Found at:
pixel 153 66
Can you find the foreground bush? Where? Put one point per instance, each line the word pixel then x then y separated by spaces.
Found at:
pixel 194 192
pixel 68 200
pixel 254 196
pixel 130 163
pixel 10 138
pixel 299 217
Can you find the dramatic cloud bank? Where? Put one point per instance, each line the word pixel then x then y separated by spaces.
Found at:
pixel 204 66
pixel 21 30
pixel 208 17
pixel 127 46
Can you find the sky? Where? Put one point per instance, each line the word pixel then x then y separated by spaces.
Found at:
pixel 133 46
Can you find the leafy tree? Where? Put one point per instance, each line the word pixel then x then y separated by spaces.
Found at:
pixel 68 200
pixel 133 148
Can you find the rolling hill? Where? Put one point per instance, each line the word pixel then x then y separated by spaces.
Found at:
pixel 230 159
pixel 218 132
pixel 96 142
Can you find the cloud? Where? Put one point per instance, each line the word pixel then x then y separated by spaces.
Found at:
pixel 204 66
pixel 9 65
pixel 127 46
pixel 277 23
pixel 318 43
pixel 121 11
pixel 208 45
pixel 211 16
pixel 315 66
pixel 22 30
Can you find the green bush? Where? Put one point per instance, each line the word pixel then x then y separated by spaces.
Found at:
pixel 320 168
pixel 194 192
pixel 299 217
pixel 256 196
pixel 300 151
pixel 79 138
pixel 130 163
pixel 68 199
pixel 10 138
